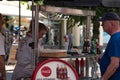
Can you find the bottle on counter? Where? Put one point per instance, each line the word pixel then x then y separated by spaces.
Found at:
pixel 98 51
pixel 82 65
pixel 86 46
pixel 93 47
pixel 77 65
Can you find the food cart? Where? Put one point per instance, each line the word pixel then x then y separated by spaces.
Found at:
pixel 47 69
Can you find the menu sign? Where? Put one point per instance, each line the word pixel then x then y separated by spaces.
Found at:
pixel 55 69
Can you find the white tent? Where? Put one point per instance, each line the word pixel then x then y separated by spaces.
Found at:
pixel 11 8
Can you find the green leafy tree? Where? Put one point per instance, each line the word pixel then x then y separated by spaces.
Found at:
pixel 72 20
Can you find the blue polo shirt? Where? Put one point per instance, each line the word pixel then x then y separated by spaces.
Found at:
pixel 112 49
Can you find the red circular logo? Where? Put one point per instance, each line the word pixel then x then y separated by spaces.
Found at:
pixel 46 71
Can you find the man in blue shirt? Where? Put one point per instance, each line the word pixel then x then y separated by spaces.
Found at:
pixel 110 61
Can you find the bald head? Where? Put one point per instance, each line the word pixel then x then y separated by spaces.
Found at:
pixel 110 22
pixel 111 26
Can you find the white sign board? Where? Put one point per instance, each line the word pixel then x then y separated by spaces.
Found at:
pixel 55 69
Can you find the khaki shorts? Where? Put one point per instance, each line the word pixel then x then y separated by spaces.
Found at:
pixel 2 68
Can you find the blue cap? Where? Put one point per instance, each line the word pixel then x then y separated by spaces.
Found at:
pixel 110 16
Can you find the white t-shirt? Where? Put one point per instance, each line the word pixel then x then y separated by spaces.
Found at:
pixel 2 49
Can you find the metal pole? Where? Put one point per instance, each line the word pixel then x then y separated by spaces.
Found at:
pixel 33 31
pixel 36 32
pixel 88 36
pixel 19 19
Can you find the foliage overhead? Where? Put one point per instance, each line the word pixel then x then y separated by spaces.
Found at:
pixel 100 10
